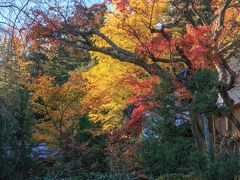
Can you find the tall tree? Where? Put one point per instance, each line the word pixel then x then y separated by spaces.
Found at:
pixel 60 106
pixel 154 35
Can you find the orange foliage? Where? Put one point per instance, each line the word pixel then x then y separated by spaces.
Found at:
pixel 199 47
pixel 142 90
pixel 60 105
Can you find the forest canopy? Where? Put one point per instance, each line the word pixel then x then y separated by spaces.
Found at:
pixel 119 89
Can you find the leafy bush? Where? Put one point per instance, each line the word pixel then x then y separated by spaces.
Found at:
pixel 223 168
pixel 108 176
pixel 157 157
pixel 179 176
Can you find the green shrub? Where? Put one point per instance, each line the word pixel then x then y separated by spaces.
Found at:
pixel 157 157
pixel 172 176
pixel 224 168
pixel 108 176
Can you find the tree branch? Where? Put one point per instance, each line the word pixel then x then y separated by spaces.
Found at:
pixel 233 74
pixel 199 14
pixel 221 18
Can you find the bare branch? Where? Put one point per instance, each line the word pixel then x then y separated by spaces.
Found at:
pixel 199 14
pixel 221 18
pixel 230 45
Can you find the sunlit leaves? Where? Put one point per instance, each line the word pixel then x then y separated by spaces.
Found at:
pixel 109 96
pixel 199 47
pixel 59 105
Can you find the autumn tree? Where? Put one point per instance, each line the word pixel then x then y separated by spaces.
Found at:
pixel 110 95
pixel 157 36
pixel 59 106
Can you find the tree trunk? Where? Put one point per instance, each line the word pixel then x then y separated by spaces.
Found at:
pixel 198 138
pixel 194 132
pixel 230 103
pixel 231 116
pixel 214 136
pixel 228 125
pixel 207 136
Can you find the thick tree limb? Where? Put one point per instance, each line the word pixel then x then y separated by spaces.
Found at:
pixel 233 75
pixel 230 103
pixel 113 45
pixel 184 57
pixel 153 68
pixel 221 18
pixel 166 60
